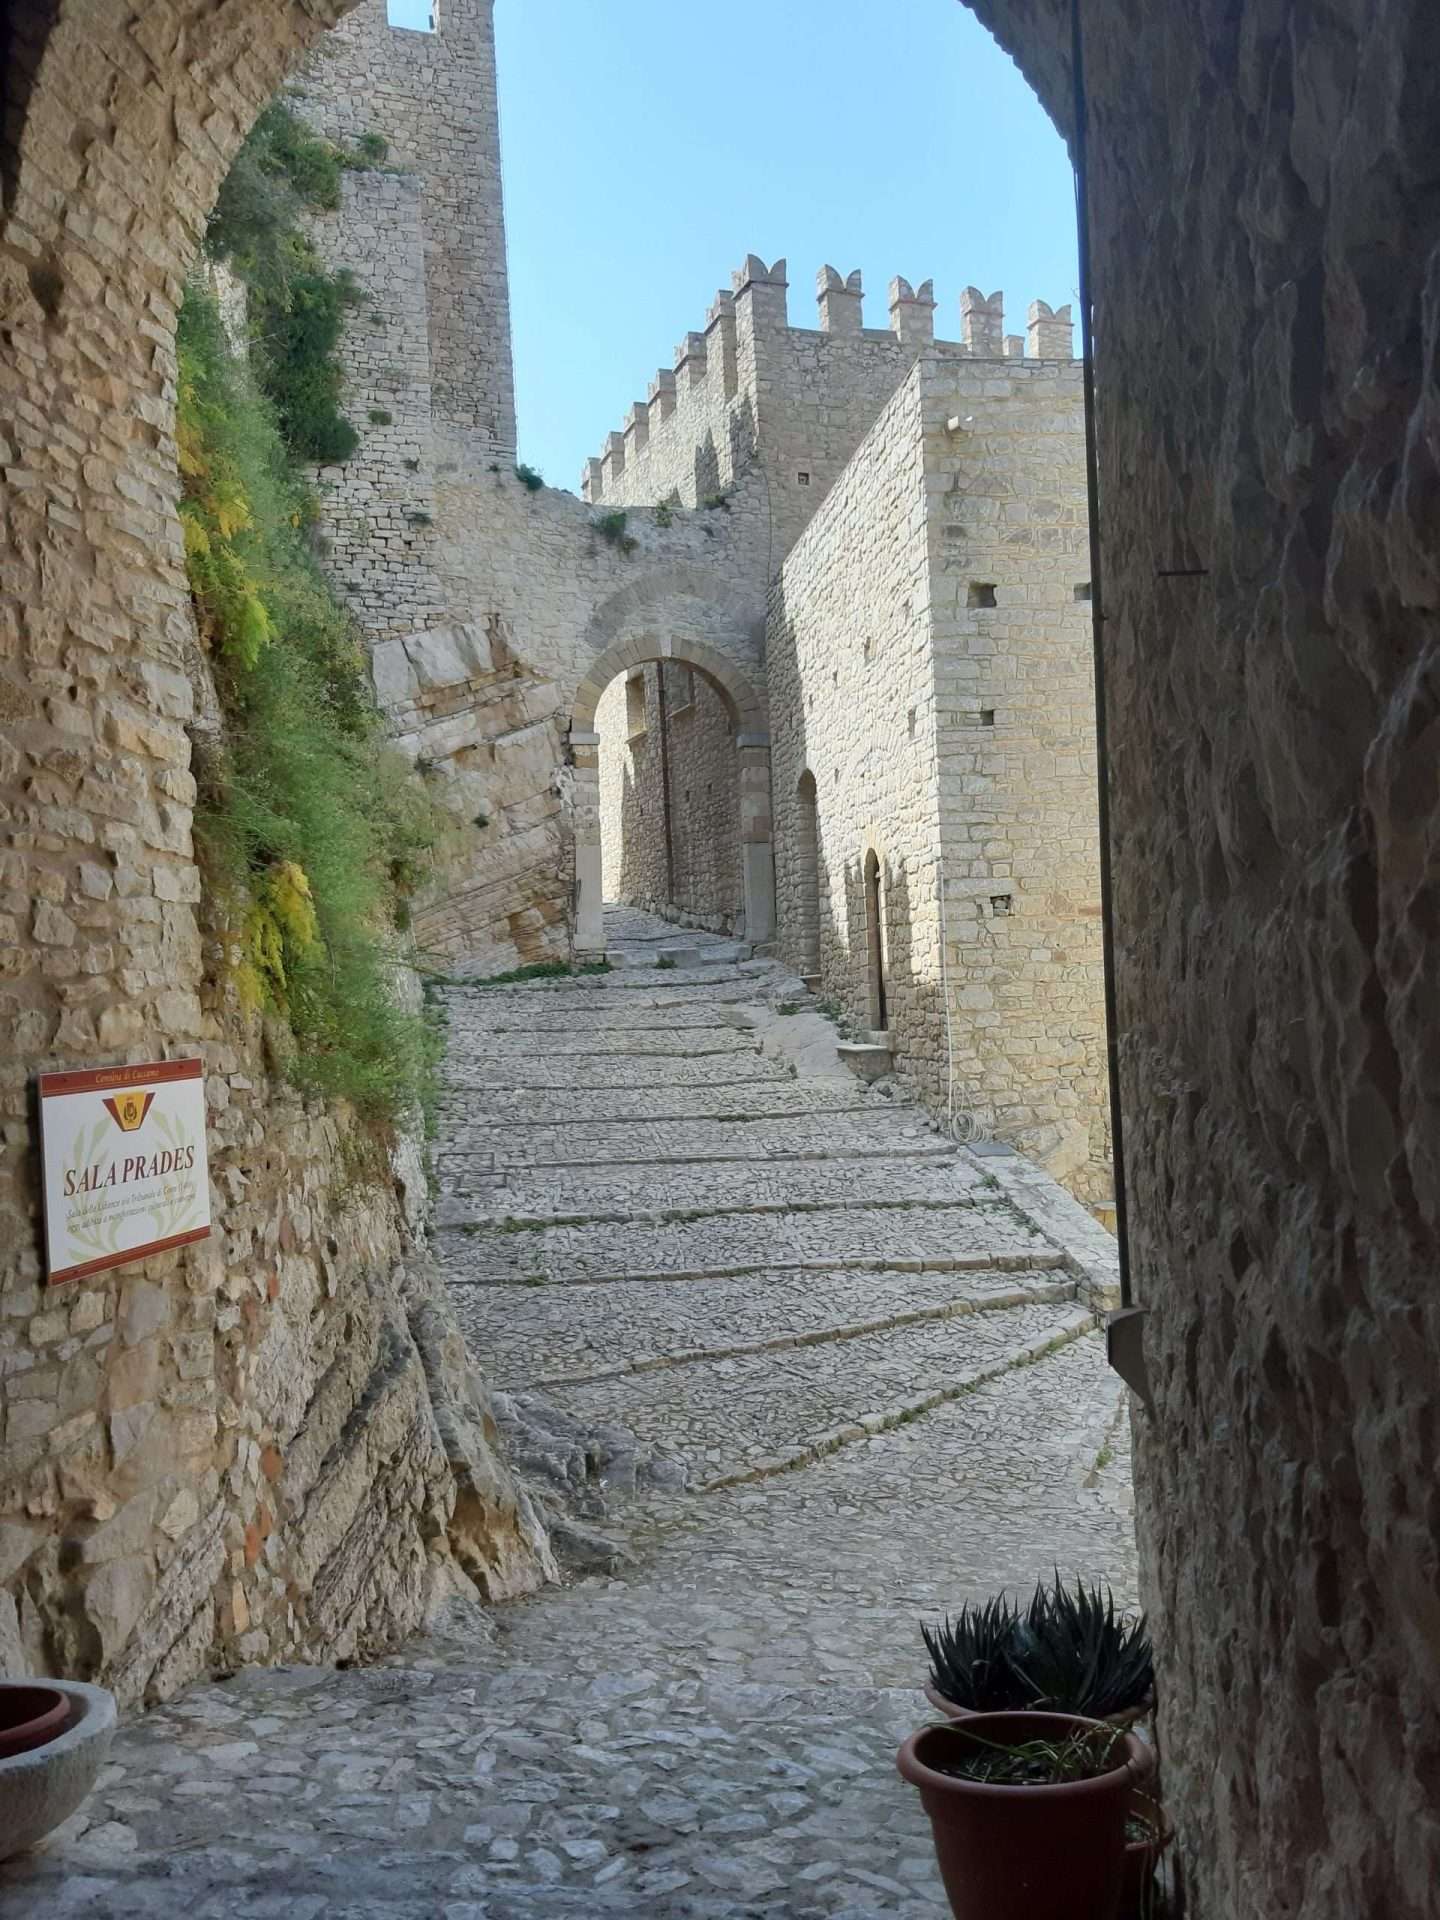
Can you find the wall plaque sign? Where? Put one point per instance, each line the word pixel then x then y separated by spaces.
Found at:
pixel 126 1170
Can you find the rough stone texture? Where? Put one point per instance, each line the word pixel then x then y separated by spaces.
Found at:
pixel 1266 232
pixel 1267 271
pixel 703 1725
pixel 668 756
pixel 228 1453
pixel 432 97
pixel 930 687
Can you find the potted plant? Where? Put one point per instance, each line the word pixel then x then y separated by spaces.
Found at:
pixel 1028 1812
pixel 1066 1652
pixel 1147 1834
pixel 30 1715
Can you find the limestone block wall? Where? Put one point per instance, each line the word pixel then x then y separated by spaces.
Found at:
pixel 1010 631
pixel 1267 393
pixel 929 663
pixel 669 797
pixel 800 400
pixel 379 506
pixel 433 97
pixel 228 1452
pixel 484 706
pixel 852 699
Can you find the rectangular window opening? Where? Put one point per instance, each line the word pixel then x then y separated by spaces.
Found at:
pixel 982 594
pixel 412 16
pixel 635 705
pixel 987 716
pixel 1000 904
pixel 803 479
pixel 1082 590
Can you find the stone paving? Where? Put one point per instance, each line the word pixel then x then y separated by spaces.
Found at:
pixel 873 1411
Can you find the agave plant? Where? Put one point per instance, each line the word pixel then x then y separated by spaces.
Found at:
pixel 1074 1654
pixel 1067 1653
pixel 969 1657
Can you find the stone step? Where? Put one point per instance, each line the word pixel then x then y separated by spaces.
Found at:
pixel 654 1192
pixel 565 1043
pixel 757 1415
pixel 609 1016
pixel 645 990
pixel 571 1106
pixel 903 1239
pixel 478 1072
pixel 540 1337
pixel 828 1136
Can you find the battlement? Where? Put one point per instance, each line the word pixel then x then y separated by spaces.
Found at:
pixel 699 413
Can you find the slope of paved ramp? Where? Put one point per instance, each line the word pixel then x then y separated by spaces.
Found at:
pixel 902 1407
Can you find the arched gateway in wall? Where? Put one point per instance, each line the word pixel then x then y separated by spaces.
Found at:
pixel 700 624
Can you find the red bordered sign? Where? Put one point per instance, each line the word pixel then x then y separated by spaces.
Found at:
pixel 127 1173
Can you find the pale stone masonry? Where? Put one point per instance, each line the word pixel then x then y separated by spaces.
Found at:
pixel 920 696
pixel 930 682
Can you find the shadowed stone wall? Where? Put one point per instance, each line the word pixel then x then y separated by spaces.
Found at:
pixel 690 872
pixel 1266 208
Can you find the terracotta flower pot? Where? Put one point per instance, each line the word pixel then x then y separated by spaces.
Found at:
pixel 1028 1852
pixel 953 1712
pixel 1138 1898
pixel 30 1717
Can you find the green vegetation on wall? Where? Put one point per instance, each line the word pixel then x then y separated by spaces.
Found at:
pixel 297 306
pixel 312 834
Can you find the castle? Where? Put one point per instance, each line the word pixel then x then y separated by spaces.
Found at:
pixel 808 661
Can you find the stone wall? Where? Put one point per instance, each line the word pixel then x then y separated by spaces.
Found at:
pixel 378 518
pixel 852 698
pixel 1010 632
pixel 1267 260
pixel 266 1444
pixel 669 797
pixel 433 98
pixel 929 666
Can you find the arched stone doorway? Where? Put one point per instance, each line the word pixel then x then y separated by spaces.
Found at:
pixel 752 756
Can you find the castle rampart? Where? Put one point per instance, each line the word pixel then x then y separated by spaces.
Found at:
pixel 798 399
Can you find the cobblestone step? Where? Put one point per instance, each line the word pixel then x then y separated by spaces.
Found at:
pixel 692 1043
pixel 764 1100
pixel 580 1194
pixel 612 1016
pixel 823 1138
pixel 544 1337
pixel 762 1414
pixel 942 1238
pixel 478 1073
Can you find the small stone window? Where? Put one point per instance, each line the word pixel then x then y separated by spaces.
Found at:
pixel 679 688
pixel 635 705
pixel 1082 590
pixel 802 479
pixel 414 16
pixel 981 594
pixel 1000 904
pixel 987 716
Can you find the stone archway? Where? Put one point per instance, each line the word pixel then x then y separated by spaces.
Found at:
pixel 752 747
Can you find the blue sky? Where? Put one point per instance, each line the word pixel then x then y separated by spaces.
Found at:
pixel 648 146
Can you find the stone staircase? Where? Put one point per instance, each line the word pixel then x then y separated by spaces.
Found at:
pixel 667 1207
pixel 815 1373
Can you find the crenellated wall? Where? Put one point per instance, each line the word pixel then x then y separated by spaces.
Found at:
pixel 796 400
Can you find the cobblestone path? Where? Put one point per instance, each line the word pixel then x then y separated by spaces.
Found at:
pixel 852 1383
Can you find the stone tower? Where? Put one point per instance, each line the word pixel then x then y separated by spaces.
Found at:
pixel 433 98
